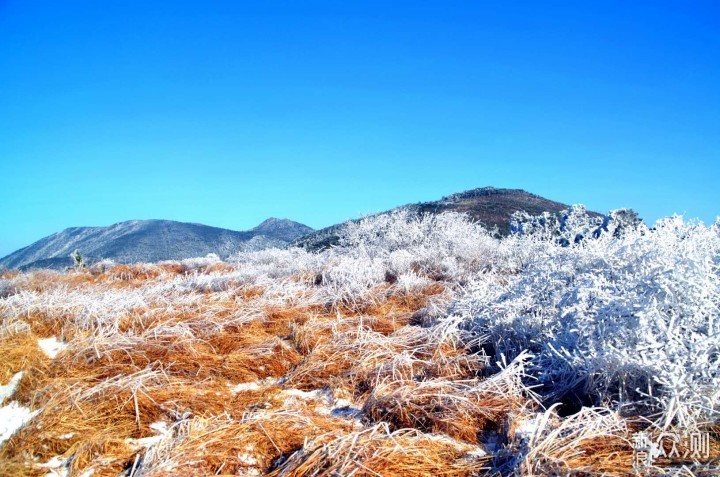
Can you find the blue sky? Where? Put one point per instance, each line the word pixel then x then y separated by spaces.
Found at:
pixel 226 113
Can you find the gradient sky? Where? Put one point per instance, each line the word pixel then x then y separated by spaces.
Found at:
pixel 226 113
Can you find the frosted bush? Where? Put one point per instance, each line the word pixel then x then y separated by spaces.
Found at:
pixel 102 266
pixel 276 262
pixel 6 288
pixel 575 224
pixel 628 315
pixel 200 263
pixel 447 246
pixel 348 276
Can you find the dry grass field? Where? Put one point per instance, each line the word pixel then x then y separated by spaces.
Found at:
pixel 417 347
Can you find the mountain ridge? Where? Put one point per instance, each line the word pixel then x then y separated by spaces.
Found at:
pixel 490 206
pixel 156 240
pixel 149 241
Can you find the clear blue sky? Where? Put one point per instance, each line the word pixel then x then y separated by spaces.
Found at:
pixel 226 113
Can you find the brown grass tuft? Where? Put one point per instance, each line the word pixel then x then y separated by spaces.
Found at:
pixel 221 446
pixel 20 351
pixel 460 409
pixel 376 451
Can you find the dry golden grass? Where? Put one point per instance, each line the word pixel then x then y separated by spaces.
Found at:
pixel 376 451
pixel 460 409
pixel 347 354
pixel 591 442
pixel 234 357
pixel 20 351
pixel 215 446
pixel 415 402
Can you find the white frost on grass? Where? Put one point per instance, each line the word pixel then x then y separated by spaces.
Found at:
pixel 529 426
pixel 250 461
pixel 51 346
pixel 13 417
pixel 7 390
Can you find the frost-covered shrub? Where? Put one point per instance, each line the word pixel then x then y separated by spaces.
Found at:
pixel 102 266
pixel 200 264
pixel 6 288
pixel 276 263
pixel 575 224
pixel 630 316
pixel 443 247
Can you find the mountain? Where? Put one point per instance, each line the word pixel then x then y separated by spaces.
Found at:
pixel 151 241
pixel 282 229
pixel 490 206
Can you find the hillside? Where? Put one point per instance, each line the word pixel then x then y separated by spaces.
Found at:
pixel 489 206
pixel 150 241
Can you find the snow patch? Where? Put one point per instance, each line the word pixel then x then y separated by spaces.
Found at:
pixel 304 395
pixel 13 417
pixel 325 402
pixel 254 385
pixel 7 390
pixel 248 458
pixel 57 466
pixel 162 429
pixel 51 346
pixel 251 386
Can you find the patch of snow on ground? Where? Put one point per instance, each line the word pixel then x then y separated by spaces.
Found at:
pixel 162 429
pixel 7 390
pixel 251 386
pixel 51 346
pixel 13 417
pixel 254 385
pixel 298 393
pixel 57 467
pixel 326 404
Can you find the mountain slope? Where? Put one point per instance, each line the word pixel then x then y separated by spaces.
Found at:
pixel 490 206
pixel 282 229
pixel 150 241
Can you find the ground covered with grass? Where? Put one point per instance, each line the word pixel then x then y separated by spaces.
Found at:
pixel 419 346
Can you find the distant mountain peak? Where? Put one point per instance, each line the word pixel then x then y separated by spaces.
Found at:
pixel 487 192
pixel 284 229
pixel 274 222
pixel 490 206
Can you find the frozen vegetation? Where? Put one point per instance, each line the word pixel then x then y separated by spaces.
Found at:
pixel 418 345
